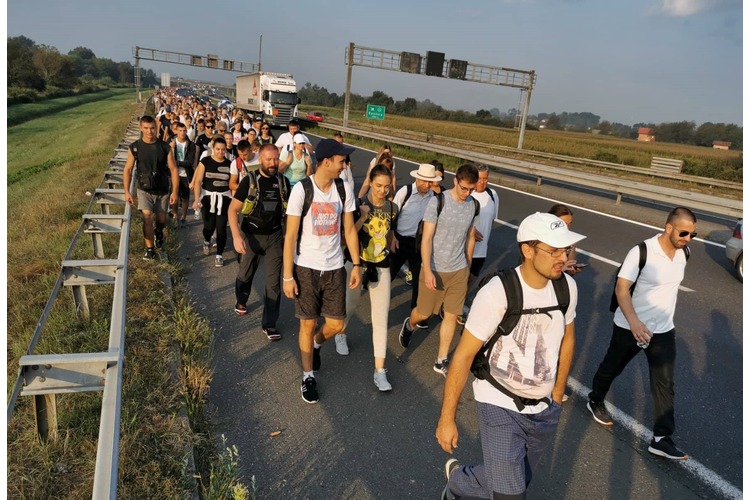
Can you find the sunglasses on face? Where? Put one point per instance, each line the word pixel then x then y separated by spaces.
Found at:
pixel 682 234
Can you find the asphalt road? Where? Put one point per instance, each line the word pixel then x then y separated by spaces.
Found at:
pixel 360 443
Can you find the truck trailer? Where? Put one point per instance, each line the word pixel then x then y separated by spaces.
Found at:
pixel 272 95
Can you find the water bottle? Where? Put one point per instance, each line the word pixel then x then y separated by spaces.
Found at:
pixel 197 215
pixel 650 324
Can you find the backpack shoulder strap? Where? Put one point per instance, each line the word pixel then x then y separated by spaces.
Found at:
pixel 309 193
pixel 307 186
pixel 476 207
pixel 642 255
pixel 408 194
pixel 440 202
pixel 342 191
pixel 687 253
pixel 492 197
pixel 562 292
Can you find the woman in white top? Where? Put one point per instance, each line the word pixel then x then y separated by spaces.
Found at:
pixel 296 164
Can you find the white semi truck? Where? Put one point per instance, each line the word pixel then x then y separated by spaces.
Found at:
pixel 274 95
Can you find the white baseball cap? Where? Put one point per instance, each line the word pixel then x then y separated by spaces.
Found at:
pixel 548 229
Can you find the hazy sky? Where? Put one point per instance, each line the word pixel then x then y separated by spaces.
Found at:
pixel 628 61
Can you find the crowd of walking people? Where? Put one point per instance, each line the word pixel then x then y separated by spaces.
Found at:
pixel 294 207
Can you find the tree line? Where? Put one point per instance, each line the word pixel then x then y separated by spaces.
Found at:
pixel 38 71
pixel 685 132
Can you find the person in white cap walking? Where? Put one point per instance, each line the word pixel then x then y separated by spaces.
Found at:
pixel 518 401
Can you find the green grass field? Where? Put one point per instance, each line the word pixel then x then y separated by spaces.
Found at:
pixel 701 161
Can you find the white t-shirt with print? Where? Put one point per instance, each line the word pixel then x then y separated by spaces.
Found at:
pixel 525 361
pixel 320 244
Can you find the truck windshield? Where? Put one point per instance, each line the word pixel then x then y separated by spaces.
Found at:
pixel 283 98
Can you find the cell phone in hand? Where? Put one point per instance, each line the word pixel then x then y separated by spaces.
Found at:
pixel 580 266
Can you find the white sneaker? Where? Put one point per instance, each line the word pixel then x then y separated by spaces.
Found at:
pixel 382 381
pixel 341 346
pixel 219 261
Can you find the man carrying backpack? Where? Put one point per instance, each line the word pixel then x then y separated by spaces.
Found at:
pixel 157 182
pixel 520 330
pixel 449 221
pixel 314 275
pixel 645 322
pixel 261 197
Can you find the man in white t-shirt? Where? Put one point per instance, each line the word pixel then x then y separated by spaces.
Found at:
pixel 286 140
pixel 531 362
pixel 314 275
pixel 645 322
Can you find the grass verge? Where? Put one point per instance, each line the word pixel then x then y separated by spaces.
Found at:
pixel 44 211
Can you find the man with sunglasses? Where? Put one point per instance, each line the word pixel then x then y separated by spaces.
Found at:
pixel 203 140
pixel 445 265
pixel 645 322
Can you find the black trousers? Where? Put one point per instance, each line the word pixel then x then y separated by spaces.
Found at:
pixel 271 247
pixel 661 355
pixel 407 252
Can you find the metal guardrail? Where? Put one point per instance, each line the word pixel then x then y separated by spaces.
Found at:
pixel 631 169
pixel 619 186
pixel 44 375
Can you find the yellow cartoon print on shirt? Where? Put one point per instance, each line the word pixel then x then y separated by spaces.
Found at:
pixel 376 249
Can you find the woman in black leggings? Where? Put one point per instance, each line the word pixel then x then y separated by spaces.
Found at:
pixel 212 196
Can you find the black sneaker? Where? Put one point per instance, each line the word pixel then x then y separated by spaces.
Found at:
pixel 441 367
pixel 309 392
pixel 404 337
pixel 240 309
pixel 150 254
pixel 451 465
pixel 423 324
pixel 159 238
pixel 599 412
pixel 272 334
pixel 316 359
pixel 665 448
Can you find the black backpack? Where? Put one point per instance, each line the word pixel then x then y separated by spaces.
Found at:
pixel 309 193
pixel 149 179
pixel 440 202
pixel 480 366
pixel 613 304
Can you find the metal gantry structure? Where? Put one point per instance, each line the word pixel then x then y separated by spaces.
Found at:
pixel 435 64
pixel 210 61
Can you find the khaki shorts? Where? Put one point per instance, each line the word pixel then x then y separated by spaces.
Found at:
pixel 153 202
pixel 450 292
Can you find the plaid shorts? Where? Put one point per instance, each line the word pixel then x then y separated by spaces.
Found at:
pixel 321 293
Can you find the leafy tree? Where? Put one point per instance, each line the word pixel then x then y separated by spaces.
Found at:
pixel 21 72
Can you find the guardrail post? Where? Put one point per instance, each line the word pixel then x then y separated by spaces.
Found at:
pixel 45 414
pixel 538 180
pixel 619 198
pixel 81 302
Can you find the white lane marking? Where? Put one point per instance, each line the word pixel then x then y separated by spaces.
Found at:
pixel 692 465
pixel 709 477
pixel 592 255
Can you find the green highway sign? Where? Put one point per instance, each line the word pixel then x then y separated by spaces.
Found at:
pixel 375 112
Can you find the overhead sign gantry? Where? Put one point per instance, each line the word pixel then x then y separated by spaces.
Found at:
pixel 435 64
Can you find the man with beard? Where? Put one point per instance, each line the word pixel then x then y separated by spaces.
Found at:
pixel 519 394
pixel 261 197
pixel 645 322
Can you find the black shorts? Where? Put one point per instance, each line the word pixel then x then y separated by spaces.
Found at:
pixel 184 190
pixel 321 293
